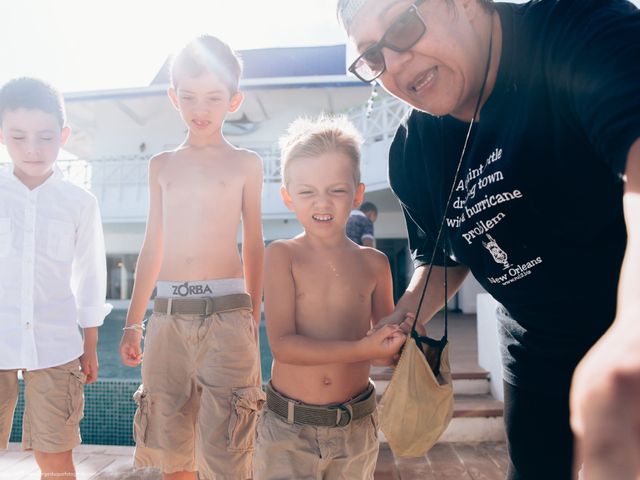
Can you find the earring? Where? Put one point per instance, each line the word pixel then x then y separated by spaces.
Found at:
pixel 372 96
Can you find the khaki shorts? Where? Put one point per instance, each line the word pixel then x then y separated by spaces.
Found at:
pixel 54 403
pixel 200 395
pixel 305 452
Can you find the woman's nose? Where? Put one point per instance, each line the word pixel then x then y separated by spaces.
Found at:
pixel 395 62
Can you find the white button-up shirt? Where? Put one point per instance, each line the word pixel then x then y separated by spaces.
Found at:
pixel 52 271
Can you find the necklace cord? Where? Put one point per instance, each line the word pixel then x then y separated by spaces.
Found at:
pixel 446 209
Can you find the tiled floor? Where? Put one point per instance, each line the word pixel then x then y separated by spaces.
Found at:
pixel 447 461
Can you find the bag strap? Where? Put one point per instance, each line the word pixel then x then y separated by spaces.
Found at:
pixel 446 209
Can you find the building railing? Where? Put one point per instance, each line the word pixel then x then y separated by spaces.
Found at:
pixel 110 177
pixel 380 121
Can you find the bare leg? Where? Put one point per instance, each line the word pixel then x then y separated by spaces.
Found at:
pixel 56 465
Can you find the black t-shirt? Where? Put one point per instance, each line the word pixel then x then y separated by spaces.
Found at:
pixel 536 212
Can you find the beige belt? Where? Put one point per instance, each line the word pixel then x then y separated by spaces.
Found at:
pixel 339 415
pixel 202 306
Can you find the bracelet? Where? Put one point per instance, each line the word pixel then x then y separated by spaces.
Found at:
pixel 136 326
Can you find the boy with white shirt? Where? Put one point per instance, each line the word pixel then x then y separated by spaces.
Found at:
pixel 52 279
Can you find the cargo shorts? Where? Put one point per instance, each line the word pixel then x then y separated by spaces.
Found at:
pixel 200 395
pixel 54 404
pixel 308 452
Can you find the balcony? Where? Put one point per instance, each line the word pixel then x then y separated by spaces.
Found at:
pixel 120 182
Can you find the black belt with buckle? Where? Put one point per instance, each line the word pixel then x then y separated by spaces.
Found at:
pixel 339 415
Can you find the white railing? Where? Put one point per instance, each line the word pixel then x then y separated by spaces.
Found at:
pixel 124 178
pixel 379 122
pixel 376 124
pixel 78 171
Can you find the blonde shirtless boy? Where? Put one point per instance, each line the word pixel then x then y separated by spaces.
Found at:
pixel 322 296
pixel 201 384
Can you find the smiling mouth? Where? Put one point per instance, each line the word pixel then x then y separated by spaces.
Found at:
pixel 424 80
pixel 323 217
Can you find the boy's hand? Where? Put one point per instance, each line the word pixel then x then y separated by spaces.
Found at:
pixel 89 364
pixel 130 351
pixel 405 328
pixel 384 342
pixel 399 317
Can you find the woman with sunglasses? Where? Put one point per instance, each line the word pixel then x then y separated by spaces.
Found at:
pixel 520 162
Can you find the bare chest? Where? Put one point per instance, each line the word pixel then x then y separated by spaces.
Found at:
pixel 333 297
pixel 196 184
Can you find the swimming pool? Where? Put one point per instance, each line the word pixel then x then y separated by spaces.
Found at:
pixel 109 357
pixel 109 405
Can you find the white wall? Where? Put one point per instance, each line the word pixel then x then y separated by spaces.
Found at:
pixel 488 346
pixel 467 296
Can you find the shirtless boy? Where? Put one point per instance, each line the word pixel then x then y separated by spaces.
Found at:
pixel 197 407
pixel 323 295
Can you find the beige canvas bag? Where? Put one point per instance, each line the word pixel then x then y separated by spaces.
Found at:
pixel 417 406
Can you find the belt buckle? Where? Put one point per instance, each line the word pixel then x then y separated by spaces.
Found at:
pixel 169 305
pixel 344 415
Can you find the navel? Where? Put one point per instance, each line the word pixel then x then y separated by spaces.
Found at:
pixel 327 381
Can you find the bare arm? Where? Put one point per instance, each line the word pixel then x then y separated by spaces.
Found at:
pixel 605 392
pixel 382 301
pixel 252 240
pixel 287 345
pixel 89 358
pixel 628 310
pixel 147 268
pixel 434 297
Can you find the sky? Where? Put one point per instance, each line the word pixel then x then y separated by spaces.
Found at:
pixel 81 45
pixel 84 45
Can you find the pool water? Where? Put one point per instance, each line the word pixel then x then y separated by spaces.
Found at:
pixel 109 357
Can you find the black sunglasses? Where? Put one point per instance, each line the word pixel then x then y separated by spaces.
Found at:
pixel 401 35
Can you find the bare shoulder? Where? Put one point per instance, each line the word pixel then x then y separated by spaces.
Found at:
pixel 280 251
pixel 248 159
pixel 374 258
pixel 157 161
pixel 247 155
